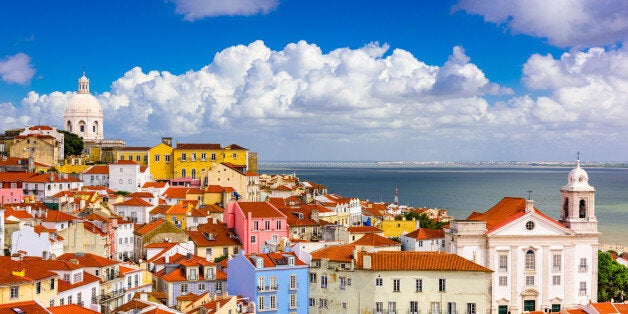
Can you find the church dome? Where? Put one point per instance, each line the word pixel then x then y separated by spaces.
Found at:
pixel 83 104
pixel 578 179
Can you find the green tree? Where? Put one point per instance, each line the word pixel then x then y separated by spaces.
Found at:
pixel 612 279
pixel 72 144
pixel 424 220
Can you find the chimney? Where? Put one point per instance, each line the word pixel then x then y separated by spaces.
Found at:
pixel 167 259
pixel 366 261
pixel 52 176
pixel 214 220
pixel 529 206
pixel 315 215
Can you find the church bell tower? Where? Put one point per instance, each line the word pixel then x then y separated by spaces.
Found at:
pixel 578 202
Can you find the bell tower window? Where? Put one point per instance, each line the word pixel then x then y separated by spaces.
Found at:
pixel 583 209
pixel 566 208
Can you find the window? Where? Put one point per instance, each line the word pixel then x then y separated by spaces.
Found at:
pixel 79 298
pixel 120 181
pixel 14 292
pixel 503 280
pixel 218 286
pixel 167 158
pixel 530 225
pixel 208 252
pixel 530 260
pixel 322 303
pixel 435 307
pixel 312 302
pixel 555 308
pixel 253 239
pixel 414 307
pixel 293 300
pixel 442 285
pixel 278 224
pixel 52 302
pixel 138 158
pixel 312 277
pixel 193 157
pixel 267 225
pixel 343 283
pixel 418 284
pixel 556 262
pixel 379 281
pixel 324 282
pixel 260 303
pixel 451 307
pixel 234 155
pixel 61 302
pixel 184 157
pixel 213 157
pixel 470 308
pixel 556 280
pixel 583 265
pixel 396 285
pixel 529 280
pixel 38 287
pixel 184 288
pixel 261 282
pixel 255 225
pixel 293 281
pixel 52 284
pixel 78 277
pixel 69 299
pixel 503 262
pixel 379 307
pixel 392 307
pixel 583 288
pixel 420 243
pixel 273 302
pixel 273 282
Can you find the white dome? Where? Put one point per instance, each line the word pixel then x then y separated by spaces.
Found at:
pixel 83 105
pixel 578 179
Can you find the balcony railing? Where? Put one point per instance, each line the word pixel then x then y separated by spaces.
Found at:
pixel 267 288
pixel 112 295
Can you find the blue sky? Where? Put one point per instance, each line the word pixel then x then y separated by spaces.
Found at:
pixel 331 80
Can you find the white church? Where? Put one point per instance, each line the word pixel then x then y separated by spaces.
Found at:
pixel 539 264
pixel 83 114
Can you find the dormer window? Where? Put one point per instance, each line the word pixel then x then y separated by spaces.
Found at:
pixel 210 273
pixel 193 274
pixel 290 260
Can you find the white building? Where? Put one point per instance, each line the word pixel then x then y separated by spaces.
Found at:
pixel 96 175
pixel 36 241
pixel 44 186
pixel 539 263
pixel 126 175
pixel 83 114
pixel 124 240
pixel 424 240
pixel 343 205
pixel 134 209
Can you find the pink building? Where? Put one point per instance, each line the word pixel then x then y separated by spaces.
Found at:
pixel 8 195
pixel 259 225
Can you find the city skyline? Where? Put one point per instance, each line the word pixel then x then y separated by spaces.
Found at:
pixel 451 81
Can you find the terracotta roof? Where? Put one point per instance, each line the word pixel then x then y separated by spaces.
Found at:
pixel 259 209
pixel 25 306
pixel 14 176
pixel 146 228
pixel 276 259
pixel 125 162
pixel 372 239
pixel 576 311
pixel 218 233
pixel 209 209
pixel 44 136
pixel 436 261
pixel 364 229
pixel 70 309
pixel 235 146
pixel 214 189
pixel 141 194
pixel 338 253
pixel 506 211
pixel 128 148
pixel 58 216
pixel 177 209
pixel 161 209
pixel 45 178
pixel 197 146
pixel 176 192
pixel 154 184
pixel 88 259
pixel 97 169
pixel 608 308
pixel 134 201
pixel 41 127
pixel 424 234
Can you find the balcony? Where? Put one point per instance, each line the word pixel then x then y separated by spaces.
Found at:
pixel 112 295
pixel 267 288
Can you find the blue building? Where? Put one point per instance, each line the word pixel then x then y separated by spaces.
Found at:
pixel 276 282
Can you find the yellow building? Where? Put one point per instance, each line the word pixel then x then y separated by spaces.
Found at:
pixel 395 228
pixel 178 214
pixel 137 154
pixel 160 160
pixel 193 160
pixel 43 148
pixel 20 282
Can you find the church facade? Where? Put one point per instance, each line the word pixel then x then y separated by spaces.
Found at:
pixel 538 263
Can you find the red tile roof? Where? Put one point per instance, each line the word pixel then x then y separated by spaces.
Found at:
pixel 70 309
pixel 88 259
pixel 87 279
pixel 219 233
pixel 424 234
pixel 98 169
pixel 125 162
pixel 141 194
pixel 214 189
pixel 128 148
pixel 155 184
pixel 176 192
pixel 338 253
pixel 436 261
pixel 197 146
pixel 45 178
pixel 146 228
pixel 364 229
pixel 58 216
pixel 134 201
pixel 26 306
pixel 161 209
pixel 276 259
pixel 259 210
pixel 372 239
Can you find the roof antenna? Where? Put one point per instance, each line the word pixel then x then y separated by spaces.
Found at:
pixel 529 194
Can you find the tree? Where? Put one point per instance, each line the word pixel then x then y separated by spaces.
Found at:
pixel 612 279
pixel 72 144
pixel 424 220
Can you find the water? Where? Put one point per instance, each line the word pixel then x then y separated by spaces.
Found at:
pixel 462 190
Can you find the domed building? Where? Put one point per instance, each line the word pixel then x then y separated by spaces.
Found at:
pixel 83 115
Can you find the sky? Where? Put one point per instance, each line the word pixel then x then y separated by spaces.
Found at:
pixel 429 80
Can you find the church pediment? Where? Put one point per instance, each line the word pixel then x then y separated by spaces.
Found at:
pixel 532 224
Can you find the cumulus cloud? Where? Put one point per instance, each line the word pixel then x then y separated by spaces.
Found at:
pixel 302 97
pixel 16 69
pixel 565 23
pixel 198 9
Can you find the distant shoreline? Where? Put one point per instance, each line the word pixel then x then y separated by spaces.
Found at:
pixel 442 164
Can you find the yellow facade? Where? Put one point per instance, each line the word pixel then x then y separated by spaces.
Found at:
pixel 195 160
pixel 27 291
pixel 212 198
pixel 161 162
pixel 395 228
pixel 44 150
pixel 138 155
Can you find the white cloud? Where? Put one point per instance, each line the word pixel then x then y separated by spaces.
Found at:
pixel 302 102
pixel 565 23
pixel 198 9
pixel 16 69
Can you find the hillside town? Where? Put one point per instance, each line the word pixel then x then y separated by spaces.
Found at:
pixel 196 228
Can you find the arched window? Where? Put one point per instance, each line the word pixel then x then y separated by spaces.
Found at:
pixel 566 208
pixel 82 126
pixel 193 173
pixel 183 173
pixel 583 209
pixel 69 127
pixel 95 127
pixel 530 260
